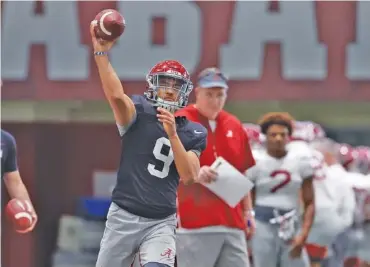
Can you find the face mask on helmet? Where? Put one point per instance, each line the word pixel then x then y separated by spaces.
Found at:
pixel 169 86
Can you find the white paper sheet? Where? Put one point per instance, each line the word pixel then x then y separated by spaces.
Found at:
pixel 231 185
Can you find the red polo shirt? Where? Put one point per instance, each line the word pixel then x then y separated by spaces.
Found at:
pixel 197 206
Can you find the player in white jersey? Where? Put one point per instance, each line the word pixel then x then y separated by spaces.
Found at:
pixel 307 131
pixel 335 200
pixel 281 178
pixel 355 159
pixel 357 238
pixel 303 134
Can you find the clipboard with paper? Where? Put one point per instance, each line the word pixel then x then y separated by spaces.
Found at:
pixel 231 185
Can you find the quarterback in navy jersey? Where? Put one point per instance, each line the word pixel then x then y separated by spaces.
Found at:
pixel 158 151
pixel 10 174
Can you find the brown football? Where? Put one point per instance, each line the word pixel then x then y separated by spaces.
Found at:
pixel 18 212
pixel 110 24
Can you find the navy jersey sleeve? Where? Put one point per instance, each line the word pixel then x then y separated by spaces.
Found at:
pixel 11 158
pixel 200 139
pixel 139 103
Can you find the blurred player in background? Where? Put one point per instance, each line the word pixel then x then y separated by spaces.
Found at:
pixel 211 233
pixel 354 245
pixel 157 149
pixel 355 159
pixel 305 132
pixel 255 137
pixel 350 248
pixel 335 201
pixel 10 173
pixel 282 178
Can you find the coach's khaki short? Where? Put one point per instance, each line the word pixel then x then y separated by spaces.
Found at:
pixel 212 249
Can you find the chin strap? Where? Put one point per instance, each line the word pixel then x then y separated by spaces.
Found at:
pixel 169 105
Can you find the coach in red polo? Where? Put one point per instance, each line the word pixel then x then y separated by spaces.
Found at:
pixel 211 233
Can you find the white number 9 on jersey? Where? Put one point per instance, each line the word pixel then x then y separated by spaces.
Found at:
pixel 159 155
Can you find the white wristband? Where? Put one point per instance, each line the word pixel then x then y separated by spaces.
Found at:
pixel 100 53
pixel 250 212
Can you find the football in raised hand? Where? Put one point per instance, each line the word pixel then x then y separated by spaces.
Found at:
pixel 110 24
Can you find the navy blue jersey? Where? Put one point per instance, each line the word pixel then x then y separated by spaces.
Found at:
pixel 8 153
pixel 147 178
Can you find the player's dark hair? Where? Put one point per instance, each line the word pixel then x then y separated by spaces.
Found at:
pixel 273 118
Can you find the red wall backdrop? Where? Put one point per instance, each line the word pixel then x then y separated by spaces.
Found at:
pixel 56 163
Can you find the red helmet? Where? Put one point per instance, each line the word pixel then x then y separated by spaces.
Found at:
pixel 254 134
pixel 307 131
pixel 346 156
pixel 169 74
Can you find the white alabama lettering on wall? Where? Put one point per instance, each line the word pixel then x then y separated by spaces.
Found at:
pixel 67 58
pixel 183 35
pixel 358 56
pixel 303 57
pixel 294 27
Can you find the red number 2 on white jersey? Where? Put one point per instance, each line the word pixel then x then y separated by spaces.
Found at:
pixel 287 179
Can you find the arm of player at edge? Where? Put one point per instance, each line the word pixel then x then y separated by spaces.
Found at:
pixel 187 162
pixel 248 200
pixel 308 199
pixel 17 189
pixel 14 184
pixel 122 106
